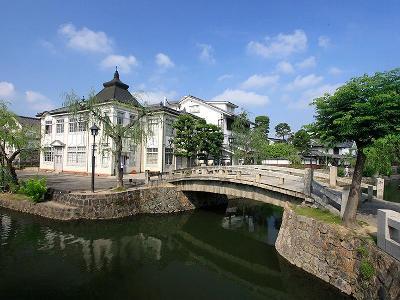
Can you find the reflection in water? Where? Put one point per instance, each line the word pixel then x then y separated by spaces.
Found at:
pixel 198 255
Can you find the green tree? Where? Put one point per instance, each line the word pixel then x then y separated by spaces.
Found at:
pixel 261 123
pixel 364 109
pixel 14 138
pixel 209 139
pixel 381 155
pixel 301 140
pixel 242 143
pixel 93 110
pixel 184 141
pixel 281 150
pixel 282 130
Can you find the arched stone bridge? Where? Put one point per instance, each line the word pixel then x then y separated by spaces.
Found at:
pixel 266 184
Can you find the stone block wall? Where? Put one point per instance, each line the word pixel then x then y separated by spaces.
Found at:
pixel 336 255
pixel 151 200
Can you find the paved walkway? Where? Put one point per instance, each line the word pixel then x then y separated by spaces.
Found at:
pixel 73 182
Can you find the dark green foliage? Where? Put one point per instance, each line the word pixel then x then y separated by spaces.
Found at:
pixel 340 171
pixel 301 140
pixel 261 123
pixel 363 110
pixel 35 188
pixel 282 130
pixel 381 155
pixel 196 137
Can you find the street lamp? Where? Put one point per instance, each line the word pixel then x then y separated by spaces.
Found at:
pixel 94 130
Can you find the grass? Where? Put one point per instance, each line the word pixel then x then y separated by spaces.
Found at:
pixel 318 214
pixel 119 189
pixel 10 196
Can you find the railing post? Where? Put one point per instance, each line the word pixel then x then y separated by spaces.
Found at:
pixel 380 186
pixel 258 177
pixel 307 180
pixel 146 176
pixel 370 192
pixel 332 176
pixel 238 174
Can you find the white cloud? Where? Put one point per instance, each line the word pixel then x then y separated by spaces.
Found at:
pixel 152 97
pixel 309 62
pixel 38 101
pixel 7 89
pixel 259 81
pixel 335 71
pixel 49 46
pixel 85 39
pixel 285 67
pixel 309 95
pixel 242 97
pixel 324 41
pixel 124 63
pixel 206 53
pixel 163 61
pixel 301 82
pixel 281 45
pixel 224 77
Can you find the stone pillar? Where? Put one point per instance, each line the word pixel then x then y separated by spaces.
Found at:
pixel 332 176
pixel 203 171
pixel 307 180
pixel 388 234
pixel 380 186
pixel 146 176
pixel 238 174
pixel 345 197
pixel 370 192
pixel 258 177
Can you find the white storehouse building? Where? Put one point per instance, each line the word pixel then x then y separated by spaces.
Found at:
pixel 67 143
pixel 220 113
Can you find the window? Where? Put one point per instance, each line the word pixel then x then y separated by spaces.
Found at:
pixel 48 154
pixel 120 118
pixel 169 130
pixel 194 108
pixel 60 126
pixel 105 159
pixel 221 123
pixel 132 118
pixel 152 156
pixel 47 127
pixel 76 156
pixel 76 125
pixel 168 156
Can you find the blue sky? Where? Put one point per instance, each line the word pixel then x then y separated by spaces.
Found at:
pixel 269 57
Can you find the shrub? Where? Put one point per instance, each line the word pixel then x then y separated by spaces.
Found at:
pixel 340 172
pixel 35 188
pixel 366 269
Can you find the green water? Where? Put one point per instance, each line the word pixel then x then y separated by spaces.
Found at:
pixel 199 255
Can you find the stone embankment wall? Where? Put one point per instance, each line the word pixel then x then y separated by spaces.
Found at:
pixel 337 255
pixel 151 200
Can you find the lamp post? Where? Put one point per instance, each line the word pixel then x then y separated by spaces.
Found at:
pixel 94 130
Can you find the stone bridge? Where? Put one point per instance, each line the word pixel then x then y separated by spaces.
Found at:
pixel 266 184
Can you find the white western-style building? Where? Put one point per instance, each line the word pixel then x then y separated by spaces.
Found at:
pixel 66 141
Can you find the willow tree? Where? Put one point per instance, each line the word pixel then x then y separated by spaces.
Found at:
pixel 364 109
pixel 95 110
pixel 14 138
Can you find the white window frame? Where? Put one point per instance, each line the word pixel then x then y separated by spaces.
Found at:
pixel 60 125
pixel 76 156
pixel 152 156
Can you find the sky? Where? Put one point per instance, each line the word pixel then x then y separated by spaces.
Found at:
pixel 268 57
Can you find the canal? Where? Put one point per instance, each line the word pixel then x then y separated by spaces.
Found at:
pixel 204 254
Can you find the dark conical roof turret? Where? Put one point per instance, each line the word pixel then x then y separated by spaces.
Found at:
pixel 116 81
pixel 116 90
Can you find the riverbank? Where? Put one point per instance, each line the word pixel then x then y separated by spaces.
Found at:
pixel 156 199
pixel 346 259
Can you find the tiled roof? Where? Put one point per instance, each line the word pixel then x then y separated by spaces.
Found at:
pixel 28 121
